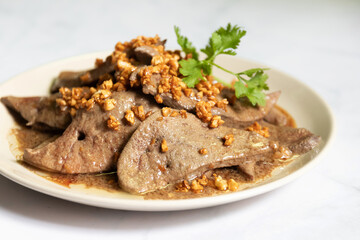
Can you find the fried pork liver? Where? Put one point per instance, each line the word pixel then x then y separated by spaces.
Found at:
pixel 144 167
pixel 83 78
pixel 70 79
pixel 240 114
pixel 88 145
pixel 39 112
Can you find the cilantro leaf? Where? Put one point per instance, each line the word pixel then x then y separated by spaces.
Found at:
pixel 192 71
pixel 256 96
pixel 254 89
pixel 258 81
pixel 240 89
pixel 185 44
pixel 251 83
pixel 213 46
pixel 251 72
pixel 223 41
pixel 206 67
pixel 230 37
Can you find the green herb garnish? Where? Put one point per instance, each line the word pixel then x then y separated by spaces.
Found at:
pixel 250 84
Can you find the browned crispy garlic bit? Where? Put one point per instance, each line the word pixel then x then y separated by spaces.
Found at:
pixel 223 185
pixel 125 65
pixel 216 121
pixel 113 123
pixel 166 64
pixel 130 117
pixel 222 104
pixel 196 187
pixel 158 99
pixel 203 111
pixel 109 104
pixel 198 184
pixel 107 85
pixel 228 139
pixel 165 111
pixel 210 90
pixel 139 112
pixel 256 127
pixel 85 97
pixel 282 154
pixel 183 113
pixel 74 98
pixel 183 186
pixel 72 112
pixel 164 147
pixel 174 114
pixel 220 183
pixel 233 185
pixel 203 180
pixel 203 151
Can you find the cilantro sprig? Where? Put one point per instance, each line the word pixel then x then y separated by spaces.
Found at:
pixel 250 84
pixel 185 44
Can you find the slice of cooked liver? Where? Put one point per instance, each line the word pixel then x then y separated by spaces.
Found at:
pixel 277 117
pixel 88 145
pixel 186 103
pixel 142 54
pixel 72 79
pixel 299 140
pixel 246 113
pixel 143 167
pixel 39 111
pixel 239 114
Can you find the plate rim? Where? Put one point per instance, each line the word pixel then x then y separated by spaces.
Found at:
pixel 178 204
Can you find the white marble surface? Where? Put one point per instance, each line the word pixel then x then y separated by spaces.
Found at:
pixel 315 41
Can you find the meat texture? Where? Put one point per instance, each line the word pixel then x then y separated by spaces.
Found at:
pixel 144 167
pixel 277 117
pixel 39 112
pixel 142 54
pixel 240 114
pixel 74 79
pixel 299 140
pixel 88 145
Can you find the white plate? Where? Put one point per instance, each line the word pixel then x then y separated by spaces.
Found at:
pixel 308 109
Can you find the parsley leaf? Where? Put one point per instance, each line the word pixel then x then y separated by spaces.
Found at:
pixel 185 44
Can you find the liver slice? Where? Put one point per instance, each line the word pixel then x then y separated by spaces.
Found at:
pixel 142 167
pixel 88 145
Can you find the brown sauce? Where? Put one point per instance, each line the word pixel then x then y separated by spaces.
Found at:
pixel 29 138
pixel 290 120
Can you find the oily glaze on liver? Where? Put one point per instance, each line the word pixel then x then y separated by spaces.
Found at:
pixel 29 138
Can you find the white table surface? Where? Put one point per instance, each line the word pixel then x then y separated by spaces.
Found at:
pixel 315 41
